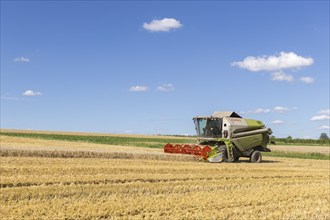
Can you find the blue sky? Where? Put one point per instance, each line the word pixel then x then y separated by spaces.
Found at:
pixel 149 67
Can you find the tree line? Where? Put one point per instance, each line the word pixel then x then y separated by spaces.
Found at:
pixel 323 140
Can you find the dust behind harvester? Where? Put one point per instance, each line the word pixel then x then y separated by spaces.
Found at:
pixel 226 136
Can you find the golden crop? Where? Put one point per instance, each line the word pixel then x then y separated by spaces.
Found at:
pixel 108 188
pixel 47 179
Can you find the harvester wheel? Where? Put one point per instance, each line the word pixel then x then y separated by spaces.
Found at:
pixel 256 157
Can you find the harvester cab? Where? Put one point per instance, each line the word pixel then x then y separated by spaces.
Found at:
pixel 226 136
pixel 208 127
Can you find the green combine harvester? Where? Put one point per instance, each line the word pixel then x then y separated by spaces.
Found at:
pixel 226 136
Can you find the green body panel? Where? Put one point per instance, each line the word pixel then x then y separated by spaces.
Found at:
pixel 265 140
pixel 244 143
pixel 254 124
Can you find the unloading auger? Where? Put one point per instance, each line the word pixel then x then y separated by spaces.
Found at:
pixel 226 136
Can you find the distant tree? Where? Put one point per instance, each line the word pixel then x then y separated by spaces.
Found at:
pixel 324 136
pixel 289 138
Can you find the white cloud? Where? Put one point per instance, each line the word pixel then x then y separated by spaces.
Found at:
pixel 281 109
pixel 138 89
pixel 166 87
pixel 165 24
pixel 277 122
pixel 324 127
pixel 320 117
pixel 31 93
pixel 307 79
pixel 284 60
pixel 256 111
pixel 275 64
pixel 325 111
pixel 260 110
pixel 281 76
pixel 323 114
pixel 22 59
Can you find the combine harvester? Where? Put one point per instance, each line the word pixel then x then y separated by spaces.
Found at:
pixel 226 136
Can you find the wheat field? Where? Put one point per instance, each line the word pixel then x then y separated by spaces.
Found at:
pixel 42 179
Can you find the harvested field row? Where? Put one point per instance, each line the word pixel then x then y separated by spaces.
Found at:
pixel 301 149
pixel 13 131
pixel 61 188
pixel 51 179
pixel 9 152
